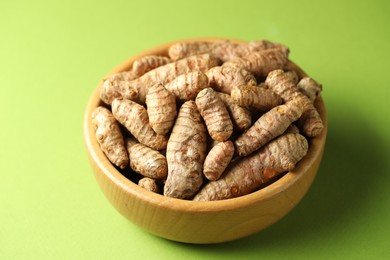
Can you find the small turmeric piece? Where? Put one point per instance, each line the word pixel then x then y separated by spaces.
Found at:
pixel 293 75
pixel 261 63
pixel 278 156
pixel 215 114
pixel 224 78
pixel 188 85
pixel 245 49
pixel 109 136
pixel 281 84
pixel 148 63
pixel 161 108
pixel 185 49
pixel 186 152
pixel 292 129
pixel 310 88
pixel 145 160
pixel 224 50
pixel 134 117
pixel 138 88
pixel 217 160
pixel 268 126
pixel 117 87
pixel 124 75
pixel 211 143
pixel 149 184
pixel 240 116
pixel 255 97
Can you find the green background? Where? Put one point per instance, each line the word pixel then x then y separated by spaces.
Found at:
pixel 53 54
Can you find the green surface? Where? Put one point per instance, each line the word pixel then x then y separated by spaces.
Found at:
pixel 53 54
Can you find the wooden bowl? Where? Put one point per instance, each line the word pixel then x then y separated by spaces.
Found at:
pixel 201 222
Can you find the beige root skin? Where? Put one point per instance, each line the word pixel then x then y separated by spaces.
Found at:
pixel 268 126
pixel 292 129
pixel 212 143
pixel 282 84
pixel 161 108
pixel 186 152
pixel 244 177
pixel 263 62
pixel 186 86
pixel 293 75
pixel 117 88
pixel 148 63
pixel 311 122
pixel 244 50
pixel 137 89
pixel 310 88
pixel 217 160
pixel 182 50
pixel 224 50
pixel 255 97
pixel 146 161
pixel 240 116
pixel 215 114
pixel 124 75
pixel 109 137
pixel 149 184
pixel 224 78
pixel 135 118
pixel 117 85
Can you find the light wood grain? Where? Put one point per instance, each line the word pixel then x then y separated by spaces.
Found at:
pixel 201 222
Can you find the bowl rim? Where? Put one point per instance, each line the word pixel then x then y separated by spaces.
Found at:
pixel 132 189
